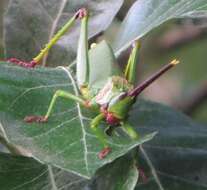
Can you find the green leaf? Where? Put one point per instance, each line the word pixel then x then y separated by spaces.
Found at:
pixel 66 140
pixel 121 174
pixel 178 153
pixel 25 173
pixel 102 56
pixel 145 15
pixel 29 24
pixel 177 168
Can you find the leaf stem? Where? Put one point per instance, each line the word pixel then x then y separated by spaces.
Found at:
pixel 12 148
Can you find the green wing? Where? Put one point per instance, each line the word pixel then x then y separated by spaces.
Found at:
pixel 102 64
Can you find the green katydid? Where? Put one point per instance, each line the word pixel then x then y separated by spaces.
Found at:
pixel 111 95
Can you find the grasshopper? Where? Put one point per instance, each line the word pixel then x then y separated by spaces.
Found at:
pixel 112 96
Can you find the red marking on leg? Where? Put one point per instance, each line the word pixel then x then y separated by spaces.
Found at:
pixel 111 119
pixel 104 153
pixel 25 64
pixel 35 119
pixel 81 13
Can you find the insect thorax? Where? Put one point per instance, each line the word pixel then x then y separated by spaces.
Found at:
pixel 112 90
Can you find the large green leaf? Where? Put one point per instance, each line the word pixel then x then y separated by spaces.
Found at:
pixel 29 24
pixel 176 168
pixel 145 15
pixel 122 174
pixel 178 153
pixel 66 140
pixel 28 174
pixel 24 173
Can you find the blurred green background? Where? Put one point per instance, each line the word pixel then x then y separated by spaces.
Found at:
pixel 185 87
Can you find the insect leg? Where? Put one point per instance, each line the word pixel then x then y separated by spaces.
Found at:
pixel 129 130
pixel 100 135
pixel 82 66
pixel 130 71
pixel 58 93
pixel 57 36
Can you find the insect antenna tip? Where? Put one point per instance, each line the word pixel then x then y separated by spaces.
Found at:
pixel 174 62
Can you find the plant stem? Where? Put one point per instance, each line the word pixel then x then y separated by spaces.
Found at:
pixel 12 148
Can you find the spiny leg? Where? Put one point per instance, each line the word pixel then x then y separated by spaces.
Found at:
pixel 100 135
pixel 129 130
pixel 58 93
pixel 36 60
pixel 130 71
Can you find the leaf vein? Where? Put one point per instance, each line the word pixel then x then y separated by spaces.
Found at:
pixel 81 119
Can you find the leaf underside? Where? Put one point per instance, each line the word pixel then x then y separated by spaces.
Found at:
pixel 145 15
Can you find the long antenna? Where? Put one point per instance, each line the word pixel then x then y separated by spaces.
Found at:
pixel 137 90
